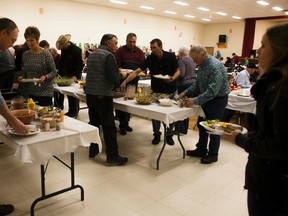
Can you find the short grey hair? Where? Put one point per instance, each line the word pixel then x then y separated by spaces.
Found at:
pixel 184 50
pixel 198 50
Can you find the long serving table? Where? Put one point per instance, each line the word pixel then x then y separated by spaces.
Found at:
pixel 155 111
pixel 167 115
pixel 235 102
pixel 41 147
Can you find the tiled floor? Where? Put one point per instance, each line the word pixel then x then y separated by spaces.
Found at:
pixel 180 187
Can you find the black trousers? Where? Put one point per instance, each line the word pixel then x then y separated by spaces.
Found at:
pixel 268 204
pixel 101 114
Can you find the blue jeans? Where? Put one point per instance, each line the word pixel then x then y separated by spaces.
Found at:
pixel 124 119
pixel 212 109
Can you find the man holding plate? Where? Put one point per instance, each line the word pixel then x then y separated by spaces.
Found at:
pixel 165 65
pixel 211 92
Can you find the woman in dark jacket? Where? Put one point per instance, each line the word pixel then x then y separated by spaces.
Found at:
pixel 267 168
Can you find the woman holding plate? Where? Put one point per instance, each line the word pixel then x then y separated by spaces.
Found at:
pixel 267 168
pixel 38 63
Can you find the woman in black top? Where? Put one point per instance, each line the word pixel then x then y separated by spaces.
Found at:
pixel 267 168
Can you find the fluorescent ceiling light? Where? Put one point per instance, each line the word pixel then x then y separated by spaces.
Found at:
pixel 277 8
pixel 147 7
pixel 221 13
pixel 118 2
pixel 181 3
pixel 236 17
pixel 189 16
pixel 205 19
pixel 170 12
pixel 263 3
pixel 203 9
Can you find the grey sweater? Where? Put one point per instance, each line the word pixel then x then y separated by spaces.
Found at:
pixel 102 72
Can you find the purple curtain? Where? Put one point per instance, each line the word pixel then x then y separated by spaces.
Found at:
pixel 249 33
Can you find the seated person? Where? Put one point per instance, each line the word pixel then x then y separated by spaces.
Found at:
pixel 243 77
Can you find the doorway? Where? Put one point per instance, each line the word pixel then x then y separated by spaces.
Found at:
pixel 210 50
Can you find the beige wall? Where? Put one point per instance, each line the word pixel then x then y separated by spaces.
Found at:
pixel 87 23
pixel 234 32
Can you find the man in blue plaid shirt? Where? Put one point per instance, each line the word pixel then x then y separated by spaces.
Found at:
pixel 211 92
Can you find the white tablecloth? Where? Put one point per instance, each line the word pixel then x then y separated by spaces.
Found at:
pixel 39 148
pixel 241 103
pixel 156 111
pixel 153 111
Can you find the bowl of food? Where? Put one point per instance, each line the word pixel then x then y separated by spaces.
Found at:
pixel 47 110
pixel 166 102
pixel 145 100
pixel 24 115
pixel 64 81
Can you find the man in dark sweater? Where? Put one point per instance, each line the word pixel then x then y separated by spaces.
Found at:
pixel 102 77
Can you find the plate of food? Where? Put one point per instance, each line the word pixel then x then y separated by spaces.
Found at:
pixel 161 76
pixel 32 131
pixel 219 128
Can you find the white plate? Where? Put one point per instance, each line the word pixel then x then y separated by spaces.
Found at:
pixel 30 80
pixel 11 131
pixel 127 70
pixel 160 76
pixel 220 132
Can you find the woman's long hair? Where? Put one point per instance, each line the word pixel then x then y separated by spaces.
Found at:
pixel 278 38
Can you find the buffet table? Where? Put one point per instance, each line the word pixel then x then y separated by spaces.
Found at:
pixel 155 111
pixel 41 147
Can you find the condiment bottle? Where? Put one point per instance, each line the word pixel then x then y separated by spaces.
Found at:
pixel 58 126
pixel 31 104
pixel 46 126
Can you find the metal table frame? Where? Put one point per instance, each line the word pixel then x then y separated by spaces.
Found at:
pixel 45 196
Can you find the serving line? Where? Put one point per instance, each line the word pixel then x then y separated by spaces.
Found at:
pixel 155 111
pixel 41 147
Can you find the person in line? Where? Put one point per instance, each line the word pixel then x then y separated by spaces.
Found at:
pixel 128 56
pixel 88 50
pixel 7 69
pixel 266 175
pixel 165 63
pixel 21 88
pixel 38 63
pixel 8 35
pixel 44 44
pixel 211 92
pixel 243 77
pixel 186 79
pixel 102 77
pixel 71 66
